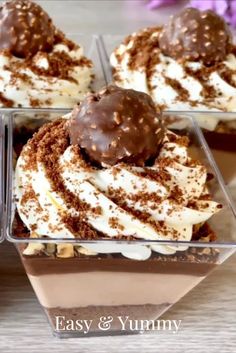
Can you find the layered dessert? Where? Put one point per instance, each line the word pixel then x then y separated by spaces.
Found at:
pixel 39 66
pixel 187 65
pixel 113 179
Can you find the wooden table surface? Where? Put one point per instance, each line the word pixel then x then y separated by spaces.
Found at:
pixel 208 313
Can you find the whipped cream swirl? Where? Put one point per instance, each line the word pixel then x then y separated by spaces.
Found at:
pixel 58 79
pixel 138 63
pixel 59 195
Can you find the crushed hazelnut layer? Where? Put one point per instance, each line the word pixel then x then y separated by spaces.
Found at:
pixel 66 251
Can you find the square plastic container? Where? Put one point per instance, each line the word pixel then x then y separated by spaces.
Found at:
pixel 107 44
pixel 222 145
pixel 220 137
pixel 106 288
pixel 90 45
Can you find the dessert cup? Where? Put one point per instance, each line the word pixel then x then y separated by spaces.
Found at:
pixel 89 45
pixel 41 67
pixel 188 64
pixel 222 145
pixel 84 293
pixel 219 128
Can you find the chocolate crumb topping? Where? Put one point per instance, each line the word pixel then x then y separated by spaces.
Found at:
pixel 146 42
pixel 46 148
pixel 59 64
pixel 8 103
pixel 194 35
pixel 25 28
pixel 52 139
pixel 183 94
pixel 117 125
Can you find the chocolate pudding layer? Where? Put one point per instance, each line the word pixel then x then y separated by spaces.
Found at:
pixel 70 289
pixel 199 263
pixel 222 139
pixel 222 142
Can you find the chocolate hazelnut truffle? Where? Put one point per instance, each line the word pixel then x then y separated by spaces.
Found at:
pixel 196 35
pixel 117 125
pixel 25 28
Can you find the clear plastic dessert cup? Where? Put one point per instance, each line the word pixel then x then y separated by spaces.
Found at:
pixel 91 51
pixel 84 293
pixel 219 128
pixel 222 144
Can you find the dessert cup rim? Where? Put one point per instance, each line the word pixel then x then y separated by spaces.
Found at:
pixel 9 118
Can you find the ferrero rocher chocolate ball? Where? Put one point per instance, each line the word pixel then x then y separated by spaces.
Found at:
pixel 196 35
pixel 117 125
pixel 25 28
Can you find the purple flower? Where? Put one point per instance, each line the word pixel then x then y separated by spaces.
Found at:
pixel 153 4
pixel 225 8
pixel 233 13
pixel 220 6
